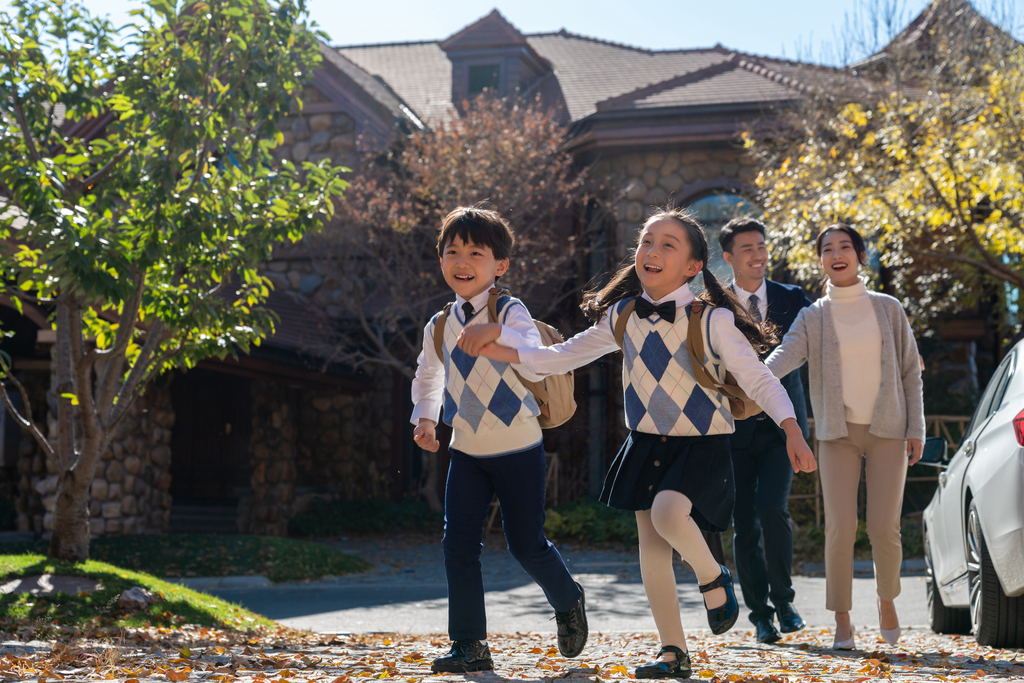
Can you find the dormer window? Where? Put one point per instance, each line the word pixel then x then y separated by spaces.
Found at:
pixel 484 77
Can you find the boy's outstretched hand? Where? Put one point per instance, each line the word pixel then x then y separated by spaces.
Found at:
pixel 800 455
pixel 424 437
pixel 476 337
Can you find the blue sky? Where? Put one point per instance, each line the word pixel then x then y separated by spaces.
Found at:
pixel 791 28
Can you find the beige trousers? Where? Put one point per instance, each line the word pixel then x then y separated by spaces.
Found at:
pixel 886 473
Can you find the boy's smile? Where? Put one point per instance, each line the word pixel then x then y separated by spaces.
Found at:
pixel 470 269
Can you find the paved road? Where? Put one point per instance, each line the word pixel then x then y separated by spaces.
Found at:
pixel 406 593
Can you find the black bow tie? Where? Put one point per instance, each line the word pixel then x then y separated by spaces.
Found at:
pixel 665 311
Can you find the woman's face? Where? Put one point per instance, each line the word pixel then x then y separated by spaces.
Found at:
pixel 839 259
pixel 663 259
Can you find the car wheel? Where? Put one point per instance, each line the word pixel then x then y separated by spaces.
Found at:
pixel 997 621
pixel 942 619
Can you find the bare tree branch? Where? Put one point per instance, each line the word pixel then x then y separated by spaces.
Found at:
pixel 33 153
pixel 26 422
pixel 135 375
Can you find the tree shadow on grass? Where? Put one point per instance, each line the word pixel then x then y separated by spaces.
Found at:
pixel 174 605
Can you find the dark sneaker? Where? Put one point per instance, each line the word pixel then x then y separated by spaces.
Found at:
pixel 677 669
pixel 572 628
pixel 766 631
pixel 466 655
pixel 789 619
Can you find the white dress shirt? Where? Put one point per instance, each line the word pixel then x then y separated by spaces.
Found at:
pixel 518 331
pixel 761 294
pixel 726 342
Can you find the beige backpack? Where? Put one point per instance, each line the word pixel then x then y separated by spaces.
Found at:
pixel 555 394
pixel 740 405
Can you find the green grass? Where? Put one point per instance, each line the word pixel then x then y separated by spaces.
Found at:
pixel 185 555
pixel 335 517
pixel 97 612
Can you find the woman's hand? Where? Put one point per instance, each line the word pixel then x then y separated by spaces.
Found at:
pixel 475 337
pixel 424 437
pixel 915 449
pixel 800 455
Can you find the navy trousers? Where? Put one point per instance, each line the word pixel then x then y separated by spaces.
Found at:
pixel 518 479
pixel 763 477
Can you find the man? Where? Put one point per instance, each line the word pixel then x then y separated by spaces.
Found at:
pixel 760 464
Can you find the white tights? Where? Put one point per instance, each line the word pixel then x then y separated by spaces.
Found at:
pixel 665 526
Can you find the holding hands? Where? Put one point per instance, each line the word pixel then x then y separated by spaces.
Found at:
pixel 481 340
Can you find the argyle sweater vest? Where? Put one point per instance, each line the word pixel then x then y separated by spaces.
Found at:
pixel 482 396
pixel 661 395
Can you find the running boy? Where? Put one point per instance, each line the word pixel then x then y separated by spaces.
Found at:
pixel 496 445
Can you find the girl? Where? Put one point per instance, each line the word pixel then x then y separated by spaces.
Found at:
pixel 674 470
pixel 866 396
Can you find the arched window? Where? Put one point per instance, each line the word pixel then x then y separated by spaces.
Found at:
pixel 713 211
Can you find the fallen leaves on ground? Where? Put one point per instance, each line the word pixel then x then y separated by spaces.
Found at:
pixel 281 655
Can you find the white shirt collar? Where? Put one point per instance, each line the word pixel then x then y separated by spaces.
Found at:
pixel 744 295
pixel 681 296
pixel 479 301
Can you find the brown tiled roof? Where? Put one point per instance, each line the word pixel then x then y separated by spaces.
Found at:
pixel 419 73
pixel 374 88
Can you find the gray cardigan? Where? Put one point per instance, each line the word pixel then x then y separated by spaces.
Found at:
pixel 899 411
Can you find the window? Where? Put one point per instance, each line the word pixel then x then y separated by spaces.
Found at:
pixel 483 78
pixel 713 212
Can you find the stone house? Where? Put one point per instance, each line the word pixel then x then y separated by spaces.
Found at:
pixel 241 446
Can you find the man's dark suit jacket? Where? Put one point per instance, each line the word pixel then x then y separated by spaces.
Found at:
pixel 784 303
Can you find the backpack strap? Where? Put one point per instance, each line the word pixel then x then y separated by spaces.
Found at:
pixel 620 322
pixel 439 338
pixel 695 345
pixel 492 302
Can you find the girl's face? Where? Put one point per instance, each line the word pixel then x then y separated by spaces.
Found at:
pixel 839 259
pixel 663 259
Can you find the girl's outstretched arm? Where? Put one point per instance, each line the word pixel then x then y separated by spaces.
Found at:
pixel 502 354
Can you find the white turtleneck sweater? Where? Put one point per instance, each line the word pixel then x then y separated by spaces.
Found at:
pixel 860 349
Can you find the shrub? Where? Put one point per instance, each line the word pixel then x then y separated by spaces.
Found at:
pixel 330 518
pixel 591 521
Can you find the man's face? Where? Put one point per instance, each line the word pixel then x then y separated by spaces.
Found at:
pixel 749 256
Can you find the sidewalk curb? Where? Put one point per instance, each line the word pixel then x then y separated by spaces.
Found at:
pixel 202 583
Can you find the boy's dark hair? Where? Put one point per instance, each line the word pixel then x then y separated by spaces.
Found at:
pixel 483 227
pixel 738 226
pixel 855 237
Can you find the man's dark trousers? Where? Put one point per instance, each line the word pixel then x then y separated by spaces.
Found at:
pixel 518 479
pixel 763 477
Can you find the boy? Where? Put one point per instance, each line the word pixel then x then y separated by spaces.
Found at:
pixel 496 445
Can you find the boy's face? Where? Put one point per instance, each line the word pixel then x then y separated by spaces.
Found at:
pixel 470 268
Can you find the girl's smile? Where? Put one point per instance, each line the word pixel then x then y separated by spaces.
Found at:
pixel 663 260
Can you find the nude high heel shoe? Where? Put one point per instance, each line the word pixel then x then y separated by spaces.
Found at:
pixel 889 635
pixel 845 644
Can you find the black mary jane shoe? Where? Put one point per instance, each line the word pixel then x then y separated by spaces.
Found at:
pixel 466 655
pixel 766 631
pixel 723 618
pixel 790 620
pixel 572 628
pixel 677 669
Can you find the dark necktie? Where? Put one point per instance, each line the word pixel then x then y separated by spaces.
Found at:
pixel 467 310
pixel 666 311
pixel 755 309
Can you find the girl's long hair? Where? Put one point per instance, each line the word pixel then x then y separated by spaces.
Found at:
pixel 626 283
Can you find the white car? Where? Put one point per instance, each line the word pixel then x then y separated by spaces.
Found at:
pixel 974 525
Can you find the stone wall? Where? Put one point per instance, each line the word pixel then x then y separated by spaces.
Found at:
pixel 129 492
pixel 655 179
pixel 274 448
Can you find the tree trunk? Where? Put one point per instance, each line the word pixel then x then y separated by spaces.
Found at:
pixel 70 539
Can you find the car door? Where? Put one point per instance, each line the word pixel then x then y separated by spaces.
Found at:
pixel 946 531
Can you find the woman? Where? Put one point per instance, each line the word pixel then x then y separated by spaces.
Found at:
pixel 865 381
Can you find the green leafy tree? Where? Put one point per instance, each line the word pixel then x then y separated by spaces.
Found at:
pixel 139 195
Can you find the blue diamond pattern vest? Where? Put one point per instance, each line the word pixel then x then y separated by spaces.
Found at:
pixel 481 394
pixel 661 394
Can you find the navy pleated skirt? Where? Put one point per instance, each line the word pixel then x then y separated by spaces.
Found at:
pixel 699 467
